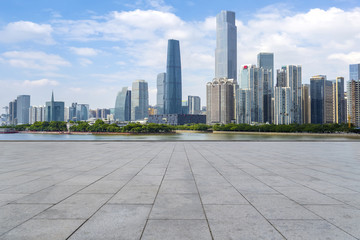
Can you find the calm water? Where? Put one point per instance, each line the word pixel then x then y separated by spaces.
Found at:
pixel 173 137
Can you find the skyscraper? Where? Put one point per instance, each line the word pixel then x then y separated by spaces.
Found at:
pixel 353 95
pixel 161 77
pixel 139 100
pixel 291 76
pixel 173 88
pixel 282 107
pixel 122 111
pixel 339 106
pixel 226 48
pixel 220 101
pixel 306 104
pixel 54 111
pixel 13 112
pixel 318 95
pixel 22 111
pixel 243 96
pixel 266 62
pixel 257 94
pixel 194 103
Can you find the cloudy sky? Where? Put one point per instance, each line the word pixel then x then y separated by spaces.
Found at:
pixel 86 51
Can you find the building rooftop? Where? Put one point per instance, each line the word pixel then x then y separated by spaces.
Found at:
pixel 179 190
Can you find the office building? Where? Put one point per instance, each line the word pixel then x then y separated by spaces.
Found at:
pixel 54 111
pixel 353 95
pixel 282 108
pixel 321 94
pixel 173 87
pixel 177 119
pixel 226 46
pixel 220 101
pixel 306 104
pixel 256 76
pixel 184 107
pixel 339 106
pixel 82 112
pixel 122 110
pixel 22 110
pixel 266 62
pixel 160 84
pixel 139 100
pixel 243 106
pixel 194 103
pixel 13 112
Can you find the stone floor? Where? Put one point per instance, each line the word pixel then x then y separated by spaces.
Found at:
pixel 179 190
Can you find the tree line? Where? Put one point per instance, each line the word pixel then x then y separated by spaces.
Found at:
pixel 101 126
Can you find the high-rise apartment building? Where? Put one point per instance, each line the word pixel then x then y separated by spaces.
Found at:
pixel 36 114
pixel 194 103
pixel 306 104
pixel 122 111
pixel 139 100
pixel 22 110
pixel 291 76
pixel 339 106
pixel 282 108
pixel 226 46
pixel 353 95
pixel 161 77
pixel 54 111
pixel 173 87
pixel 220 101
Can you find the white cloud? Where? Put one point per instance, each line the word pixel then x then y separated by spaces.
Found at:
pixel 353 57
pixel 85 62
pixel 34 60
pixel 27 31
pixel 88 52
pixel 40 83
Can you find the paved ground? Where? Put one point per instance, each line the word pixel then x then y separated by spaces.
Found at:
pixel 191 190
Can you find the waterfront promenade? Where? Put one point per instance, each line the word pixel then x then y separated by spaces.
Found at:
pixel 179 190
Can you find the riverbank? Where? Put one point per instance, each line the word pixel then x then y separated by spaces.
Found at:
pixel 92 133
pixel 292 134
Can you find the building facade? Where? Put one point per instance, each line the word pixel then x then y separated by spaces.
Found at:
pixel 54 111
pixel 139 100
pixel 226 46
pixel 160 84
pixel 282 109
pixel 353 95
pixel 194 103
pixel 122 110
pixel 220 101
pixel 317 95
pixel 173 85
pixel 12 112
pixel 22 109
pixel 306 104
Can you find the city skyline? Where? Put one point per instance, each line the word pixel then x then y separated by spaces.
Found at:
pixel 81 67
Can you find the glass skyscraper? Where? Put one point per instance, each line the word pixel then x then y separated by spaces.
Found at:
pixel 54 111
pixel 226 48
pixel 122 110
pixel 354 72
pixel 139 100
pixel 172 89
pixel 23 105
pixel 161 77
pixel 317 96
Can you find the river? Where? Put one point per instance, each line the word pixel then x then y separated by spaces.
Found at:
pixel 183 136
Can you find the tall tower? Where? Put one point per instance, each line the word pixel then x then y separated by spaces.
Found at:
pixel 161 77
pixel 226 49
pixel 123 105
pixel 353 94
pixel 139 100
pixel 23 105
pixel 172 90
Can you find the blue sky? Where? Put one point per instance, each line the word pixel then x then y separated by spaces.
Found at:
pixel 86 51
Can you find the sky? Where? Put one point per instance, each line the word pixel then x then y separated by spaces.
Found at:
pixel 87 50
